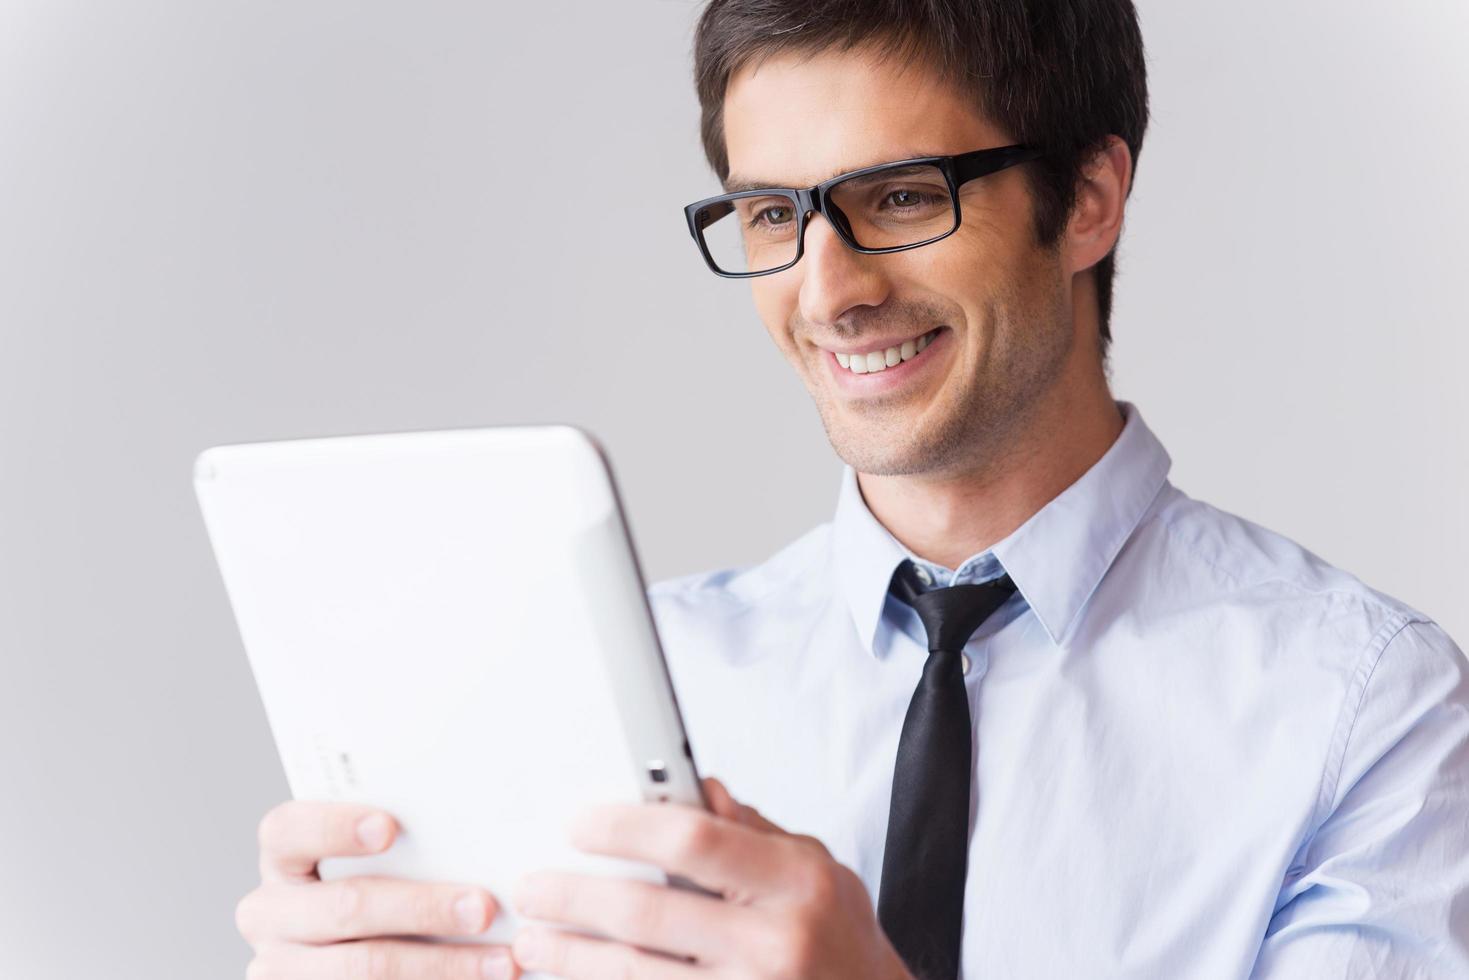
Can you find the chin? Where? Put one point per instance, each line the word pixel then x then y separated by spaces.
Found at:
pixel 878 449
pixel 922 436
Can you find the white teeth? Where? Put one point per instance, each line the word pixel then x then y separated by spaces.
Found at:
pixel 881 360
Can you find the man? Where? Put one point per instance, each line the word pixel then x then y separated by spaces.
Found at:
pixel 1041 714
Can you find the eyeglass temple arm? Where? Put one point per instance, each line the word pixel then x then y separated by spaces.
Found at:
pixel 968 166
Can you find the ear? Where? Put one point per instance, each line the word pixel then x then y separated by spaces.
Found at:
pixel 1096 220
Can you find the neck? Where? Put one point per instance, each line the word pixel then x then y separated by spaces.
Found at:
pixel 946 518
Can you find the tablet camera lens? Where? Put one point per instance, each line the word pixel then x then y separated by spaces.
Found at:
pixel 657 771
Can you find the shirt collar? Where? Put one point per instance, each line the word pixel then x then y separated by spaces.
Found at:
pixel 1056 558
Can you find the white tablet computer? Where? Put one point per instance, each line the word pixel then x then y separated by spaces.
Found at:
pixel 452 626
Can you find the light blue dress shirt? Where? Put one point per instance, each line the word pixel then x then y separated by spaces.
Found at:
pixel 1200 751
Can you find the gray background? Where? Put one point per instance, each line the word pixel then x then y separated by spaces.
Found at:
pixel 233 221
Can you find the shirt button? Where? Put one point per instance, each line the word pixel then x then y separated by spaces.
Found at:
pixel 964 662
pixel 922 575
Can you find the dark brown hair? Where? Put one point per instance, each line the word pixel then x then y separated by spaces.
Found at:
pixel 1060 75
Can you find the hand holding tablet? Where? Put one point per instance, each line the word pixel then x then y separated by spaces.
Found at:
pixel 451 628
pixel 357 927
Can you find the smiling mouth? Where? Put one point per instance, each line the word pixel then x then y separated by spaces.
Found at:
pixel 881 360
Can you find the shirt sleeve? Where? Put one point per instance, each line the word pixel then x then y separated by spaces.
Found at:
pixel 1381 890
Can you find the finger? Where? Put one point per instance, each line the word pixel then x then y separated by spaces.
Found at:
pixel 711 850
pixel 719 798
pixel 653 916
pixel 361 908
pixel 725 805
pixel 584 958
pixel 385 959
pixel 296 835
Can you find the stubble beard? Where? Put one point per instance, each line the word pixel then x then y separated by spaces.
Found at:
pixel 981 420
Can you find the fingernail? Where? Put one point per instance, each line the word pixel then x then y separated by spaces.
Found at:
pixel 373 831
pixel 469 912
pixel 496 965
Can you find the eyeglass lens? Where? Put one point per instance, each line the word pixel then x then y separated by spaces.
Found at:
pixel 886 209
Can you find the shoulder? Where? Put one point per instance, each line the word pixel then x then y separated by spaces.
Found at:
pixel 792 575
pixel 734 617
pixel 1333 661
pixel 1235 563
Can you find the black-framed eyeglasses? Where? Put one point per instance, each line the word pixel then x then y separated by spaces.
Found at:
pixel 887 208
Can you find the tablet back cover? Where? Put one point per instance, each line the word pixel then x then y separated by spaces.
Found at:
pixel 408 606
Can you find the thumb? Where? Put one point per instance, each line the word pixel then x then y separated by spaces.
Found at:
pixel 725 805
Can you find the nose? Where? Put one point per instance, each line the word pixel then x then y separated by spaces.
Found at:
pixel 835 280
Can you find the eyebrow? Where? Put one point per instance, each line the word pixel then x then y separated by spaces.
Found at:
pixel 736 184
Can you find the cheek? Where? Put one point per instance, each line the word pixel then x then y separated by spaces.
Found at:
pixel 976 269
pixel 776 303
pixel 956 274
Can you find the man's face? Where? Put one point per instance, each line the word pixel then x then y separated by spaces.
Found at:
pixel 996 308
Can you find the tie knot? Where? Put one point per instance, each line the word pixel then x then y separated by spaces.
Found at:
pixel 950 615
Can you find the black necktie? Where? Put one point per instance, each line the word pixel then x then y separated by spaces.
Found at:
pixel 921 900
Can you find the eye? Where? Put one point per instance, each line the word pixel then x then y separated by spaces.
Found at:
pixel 774 215
pixel 908 197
